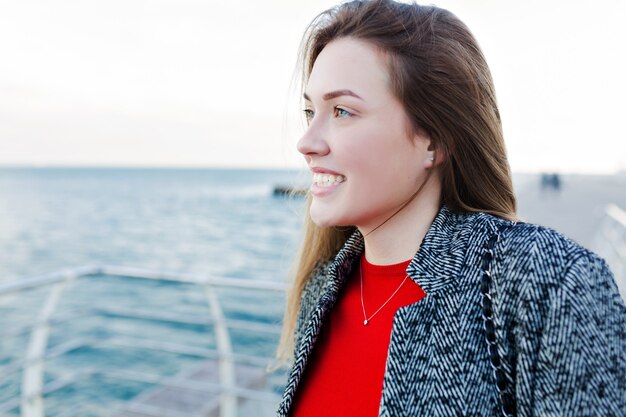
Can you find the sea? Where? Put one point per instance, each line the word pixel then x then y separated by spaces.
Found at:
pixel 222 222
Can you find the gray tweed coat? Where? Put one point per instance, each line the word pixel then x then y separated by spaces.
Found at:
pixel 559 321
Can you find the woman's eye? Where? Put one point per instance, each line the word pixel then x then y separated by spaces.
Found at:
pixel 308 115
pixel 342 113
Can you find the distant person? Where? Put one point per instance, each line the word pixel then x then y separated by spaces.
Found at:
pixel 550 181
pixel 556 181
pixel 417 291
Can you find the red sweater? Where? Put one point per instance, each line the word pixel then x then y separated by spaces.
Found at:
pixel 345 374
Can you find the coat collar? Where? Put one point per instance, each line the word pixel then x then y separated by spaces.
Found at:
pixel 436 263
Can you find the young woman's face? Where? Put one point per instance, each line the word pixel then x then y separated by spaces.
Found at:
pixel 365 160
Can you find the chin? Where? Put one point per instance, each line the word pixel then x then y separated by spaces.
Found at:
pixel 324 218
pixel 323 221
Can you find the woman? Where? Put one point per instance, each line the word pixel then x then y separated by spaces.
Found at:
pixel 417 292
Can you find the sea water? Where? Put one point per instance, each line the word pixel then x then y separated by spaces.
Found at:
pixel 223 222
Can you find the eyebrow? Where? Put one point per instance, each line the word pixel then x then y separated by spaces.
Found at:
pixel 337 93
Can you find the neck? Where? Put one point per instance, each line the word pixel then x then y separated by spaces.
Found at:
pixel 400 237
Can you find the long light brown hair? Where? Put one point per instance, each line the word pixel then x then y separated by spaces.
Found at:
pixel 439 73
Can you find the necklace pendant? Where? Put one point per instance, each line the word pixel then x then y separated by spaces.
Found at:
pixel 365 322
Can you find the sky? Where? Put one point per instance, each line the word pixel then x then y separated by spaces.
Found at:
pixel 210 83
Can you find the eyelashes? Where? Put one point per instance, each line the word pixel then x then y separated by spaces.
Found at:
pixel 341 113
pixel 338 113
pixel 308 115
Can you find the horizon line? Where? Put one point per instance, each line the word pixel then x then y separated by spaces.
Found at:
pixel 256 167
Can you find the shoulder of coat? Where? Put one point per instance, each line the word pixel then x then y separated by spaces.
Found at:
pixel 541 255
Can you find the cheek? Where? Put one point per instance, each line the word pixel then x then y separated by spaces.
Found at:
pixel 388 173
pixel 384 160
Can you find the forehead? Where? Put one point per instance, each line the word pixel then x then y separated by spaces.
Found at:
pixel 352 64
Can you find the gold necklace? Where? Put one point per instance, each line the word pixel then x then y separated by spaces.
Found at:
pixel 365 318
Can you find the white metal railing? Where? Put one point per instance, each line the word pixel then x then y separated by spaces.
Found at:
pixel 34 387
pixel 33 373
pixel 140 273
pixel 610 243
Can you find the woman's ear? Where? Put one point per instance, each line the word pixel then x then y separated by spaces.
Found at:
pixel 436 156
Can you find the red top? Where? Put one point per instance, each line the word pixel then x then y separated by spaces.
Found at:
pixel 344 375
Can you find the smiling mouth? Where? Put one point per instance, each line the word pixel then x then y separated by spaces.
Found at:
pixel 327 180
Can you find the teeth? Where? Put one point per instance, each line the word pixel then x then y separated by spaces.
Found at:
pixel 326 180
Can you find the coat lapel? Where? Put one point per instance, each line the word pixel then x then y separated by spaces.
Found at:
pixel 442 252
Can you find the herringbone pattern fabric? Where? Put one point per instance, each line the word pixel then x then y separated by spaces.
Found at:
pixel 559 320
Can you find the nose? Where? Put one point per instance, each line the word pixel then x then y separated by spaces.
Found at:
pixel 312 143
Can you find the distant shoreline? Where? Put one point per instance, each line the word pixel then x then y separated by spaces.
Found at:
pixel 257 168
pixel 138 167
